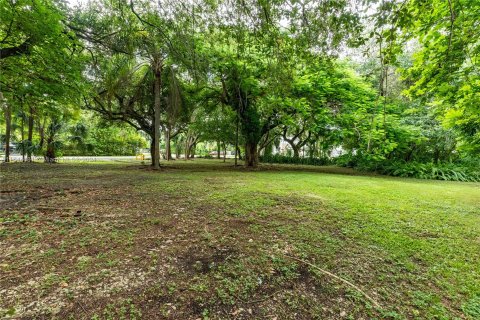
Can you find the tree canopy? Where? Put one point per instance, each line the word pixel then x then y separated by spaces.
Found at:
pixel 362 84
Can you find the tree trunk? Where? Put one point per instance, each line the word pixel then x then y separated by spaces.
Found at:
pixel 192 150
pixel 218 149
pixel 23 137
pixel 152 150
pixel 295 147
pixel 177 148
pixel 296 153
pixel 251 155
pixel 50 153
pixel 436 155
pixel 30 136
pixel 168 151
pixel 224 152
pixel 41 133
pixel 239 152
pixel 8 124
pixel 237 149
pixel 157 68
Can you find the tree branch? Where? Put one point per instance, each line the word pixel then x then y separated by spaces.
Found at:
pixel 17 50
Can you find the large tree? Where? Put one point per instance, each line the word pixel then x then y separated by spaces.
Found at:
pixel 155 45
pixel 256 45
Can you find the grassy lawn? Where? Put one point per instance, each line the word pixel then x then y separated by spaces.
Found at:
pixel 202 240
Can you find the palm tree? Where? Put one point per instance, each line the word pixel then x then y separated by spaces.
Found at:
pixel 53 143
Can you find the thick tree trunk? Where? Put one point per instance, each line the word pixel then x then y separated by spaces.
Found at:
pixel 251 155
pixel 295 147
pixel 218 149
pixel 30 135
pixel 157 67
pixel 152 151
pixel 192 150
pixel 8 124
pixel 296 152
pixel 190 144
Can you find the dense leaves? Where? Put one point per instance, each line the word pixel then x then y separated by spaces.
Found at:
pixel 262 78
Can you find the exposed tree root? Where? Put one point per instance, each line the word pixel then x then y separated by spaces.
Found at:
pixel 328 273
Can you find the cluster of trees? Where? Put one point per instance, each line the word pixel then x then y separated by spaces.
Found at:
pixel 93 136
pixel 249 74
pixel 77 136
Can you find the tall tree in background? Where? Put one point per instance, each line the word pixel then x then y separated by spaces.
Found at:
pixel 257 40
pixel 152 35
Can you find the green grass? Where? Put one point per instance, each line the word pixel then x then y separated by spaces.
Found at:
pixel 215 242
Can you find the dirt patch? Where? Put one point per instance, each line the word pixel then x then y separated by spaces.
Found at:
pixel 203 260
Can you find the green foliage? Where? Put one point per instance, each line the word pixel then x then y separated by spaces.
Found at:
pixel 465 170
pixel 440 171
pixel 101 139
pixel 125 309
pixel 472 307
pixel 273 71
pixel 278 158
pixel 116 141
pixel 444 72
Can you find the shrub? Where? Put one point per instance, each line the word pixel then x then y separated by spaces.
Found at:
pixel 277 158
pixel 347 160
pixel 440 171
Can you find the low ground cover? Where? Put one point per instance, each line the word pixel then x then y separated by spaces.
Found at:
pixel 204 240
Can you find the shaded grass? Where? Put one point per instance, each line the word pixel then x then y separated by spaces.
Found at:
pixel 203 239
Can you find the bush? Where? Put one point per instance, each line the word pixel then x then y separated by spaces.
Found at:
pixel 441 171
pixel 347 160
pixel 277 158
